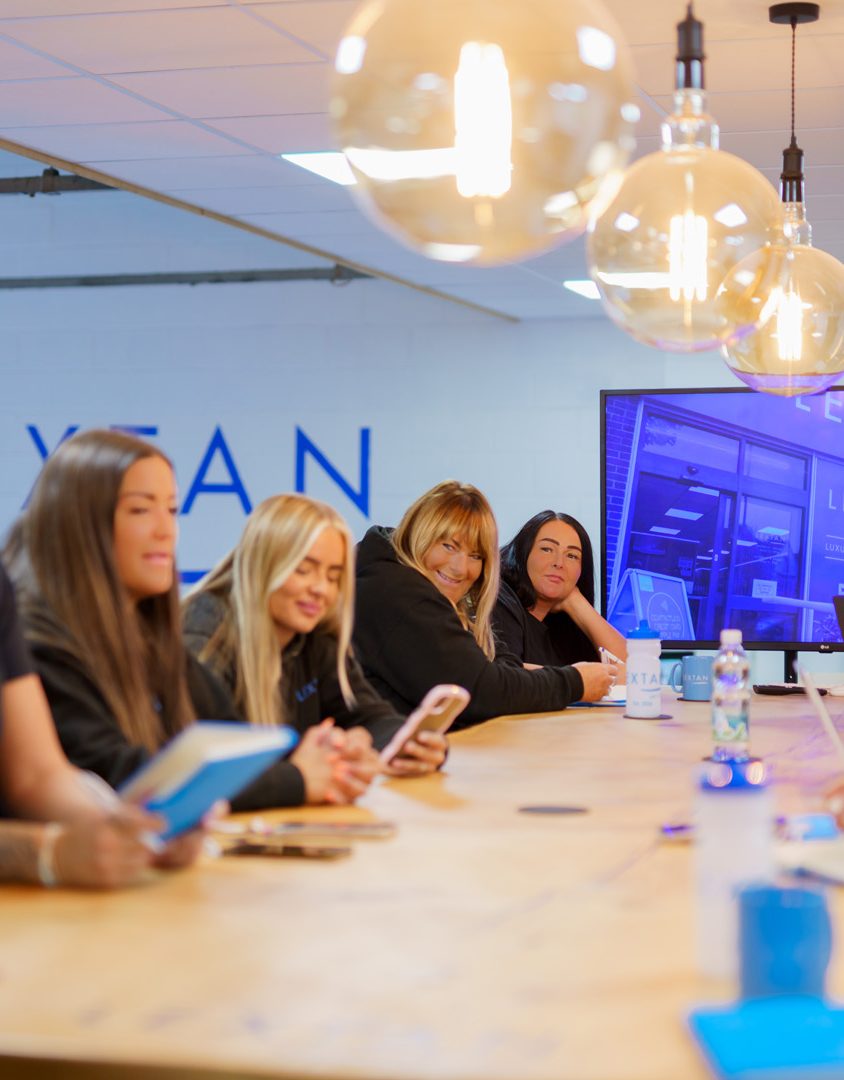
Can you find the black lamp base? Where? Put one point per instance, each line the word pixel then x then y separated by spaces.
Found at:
pixel 794 13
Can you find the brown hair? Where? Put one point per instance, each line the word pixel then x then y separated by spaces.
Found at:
pixel 77 602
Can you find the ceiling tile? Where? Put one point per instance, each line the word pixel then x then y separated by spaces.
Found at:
pixel 816 108
pixel 313 225
pixel 18 9
pixel 278 134
pixel 234 91
pixel 748 66
pixel 17 62
pixel 242 201
pixel 105 142
pixel 158 41
pixel 68 101
pixel 319 22
pixel 723 20
pixel 178 174
pixel 764 148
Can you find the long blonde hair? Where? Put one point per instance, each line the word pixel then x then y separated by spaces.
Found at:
pixel 278 535
pixel 455 509
pixel 72 597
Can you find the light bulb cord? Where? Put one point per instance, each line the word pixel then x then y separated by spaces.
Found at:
pixel 791 177
pixel 793 78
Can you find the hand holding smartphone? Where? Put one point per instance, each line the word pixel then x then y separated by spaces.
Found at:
pixel 439 709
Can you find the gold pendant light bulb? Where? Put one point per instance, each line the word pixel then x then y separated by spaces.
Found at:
pixel 681 219
pixel 799 292
pixel 482 131
pixel 798 347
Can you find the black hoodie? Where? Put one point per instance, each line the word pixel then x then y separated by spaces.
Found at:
pixel 408 637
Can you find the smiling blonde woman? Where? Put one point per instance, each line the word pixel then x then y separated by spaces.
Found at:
pixel 425 598
pixel 274 620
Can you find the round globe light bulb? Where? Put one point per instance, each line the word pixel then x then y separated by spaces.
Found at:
pixel 797 295
pixel 481 131
pixel 681 220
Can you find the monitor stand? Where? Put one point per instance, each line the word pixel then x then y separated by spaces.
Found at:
pixel 790 659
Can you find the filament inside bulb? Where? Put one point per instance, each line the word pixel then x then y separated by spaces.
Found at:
pixel 483 122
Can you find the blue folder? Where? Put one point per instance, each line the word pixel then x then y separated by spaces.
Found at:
pixel 778 1038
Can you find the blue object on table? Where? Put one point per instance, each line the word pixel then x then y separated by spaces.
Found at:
pixel 779 1038
pixel 785 941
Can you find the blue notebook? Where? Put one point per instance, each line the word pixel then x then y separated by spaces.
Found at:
pixel 779 1038
pixel 206 762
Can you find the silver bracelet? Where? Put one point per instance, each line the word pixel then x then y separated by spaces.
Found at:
pixel 47 855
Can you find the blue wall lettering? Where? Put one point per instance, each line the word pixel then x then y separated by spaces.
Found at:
pixel 304 446
pixel 41 446
pixel 199 487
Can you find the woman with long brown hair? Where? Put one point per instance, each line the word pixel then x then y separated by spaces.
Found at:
pixel 93 559
pixel 426 592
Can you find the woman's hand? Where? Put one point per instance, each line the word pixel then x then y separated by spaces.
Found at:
pixel 424 753
pixel 183 850
pixel 359 764
pixel 105 852
pixel 571 602
pixel 597 679
pixel 316 757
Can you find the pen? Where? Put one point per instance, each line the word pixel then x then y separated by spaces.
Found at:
pixel 607 657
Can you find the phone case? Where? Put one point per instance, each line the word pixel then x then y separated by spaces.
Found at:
pixel 437 712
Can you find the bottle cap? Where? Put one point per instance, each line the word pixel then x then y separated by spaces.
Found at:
pixel 734 776
pixel 731 637
pixel 643 630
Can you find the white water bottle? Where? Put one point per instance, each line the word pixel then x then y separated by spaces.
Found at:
pixel 733 847
pixel 644 691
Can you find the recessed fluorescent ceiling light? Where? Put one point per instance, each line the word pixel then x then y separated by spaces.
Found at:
pixel 330 164
pixel 664 532
pixel 704 491
pixel 689 515
pixel 585 288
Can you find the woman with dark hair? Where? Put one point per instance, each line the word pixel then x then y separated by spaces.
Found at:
pixel 545 612
pixel 93 560
pixel 425 596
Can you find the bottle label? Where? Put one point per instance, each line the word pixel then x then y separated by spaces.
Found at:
pixel 729 727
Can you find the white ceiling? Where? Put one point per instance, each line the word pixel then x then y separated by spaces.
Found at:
pixel 195 99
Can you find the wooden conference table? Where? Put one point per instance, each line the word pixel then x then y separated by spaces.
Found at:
pixel 479 943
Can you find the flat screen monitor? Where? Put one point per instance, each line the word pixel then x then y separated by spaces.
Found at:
pixel 724 508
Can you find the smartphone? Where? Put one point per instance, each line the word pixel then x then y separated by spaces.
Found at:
pixel 285 851
pixel 439 709
pixel 303 831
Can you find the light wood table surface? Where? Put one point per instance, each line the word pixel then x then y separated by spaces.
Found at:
pixel 479 943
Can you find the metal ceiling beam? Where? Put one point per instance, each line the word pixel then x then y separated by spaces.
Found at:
pixel 50 182
pixel 335 275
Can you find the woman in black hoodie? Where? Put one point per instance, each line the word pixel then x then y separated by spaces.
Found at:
pixel 425 595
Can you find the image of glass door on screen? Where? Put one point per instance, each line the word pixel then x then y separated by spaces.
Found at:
pixel 767 571
pixel 713 533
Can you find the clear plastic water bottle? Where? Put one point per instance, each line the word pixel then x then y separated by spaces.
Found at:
pixel 644 691
pixel 734 847
pixel 731 700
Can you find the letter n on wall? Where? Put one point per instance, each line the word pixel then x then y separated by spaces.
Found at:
pixel 305 447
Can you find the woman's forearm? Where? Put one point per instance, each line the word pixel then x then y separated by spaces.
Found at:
pixel 594 625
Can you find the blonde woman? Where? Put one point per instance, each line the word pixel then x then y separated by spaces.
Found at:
pixel 274 621
pixel 426 593
pixel 94 563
